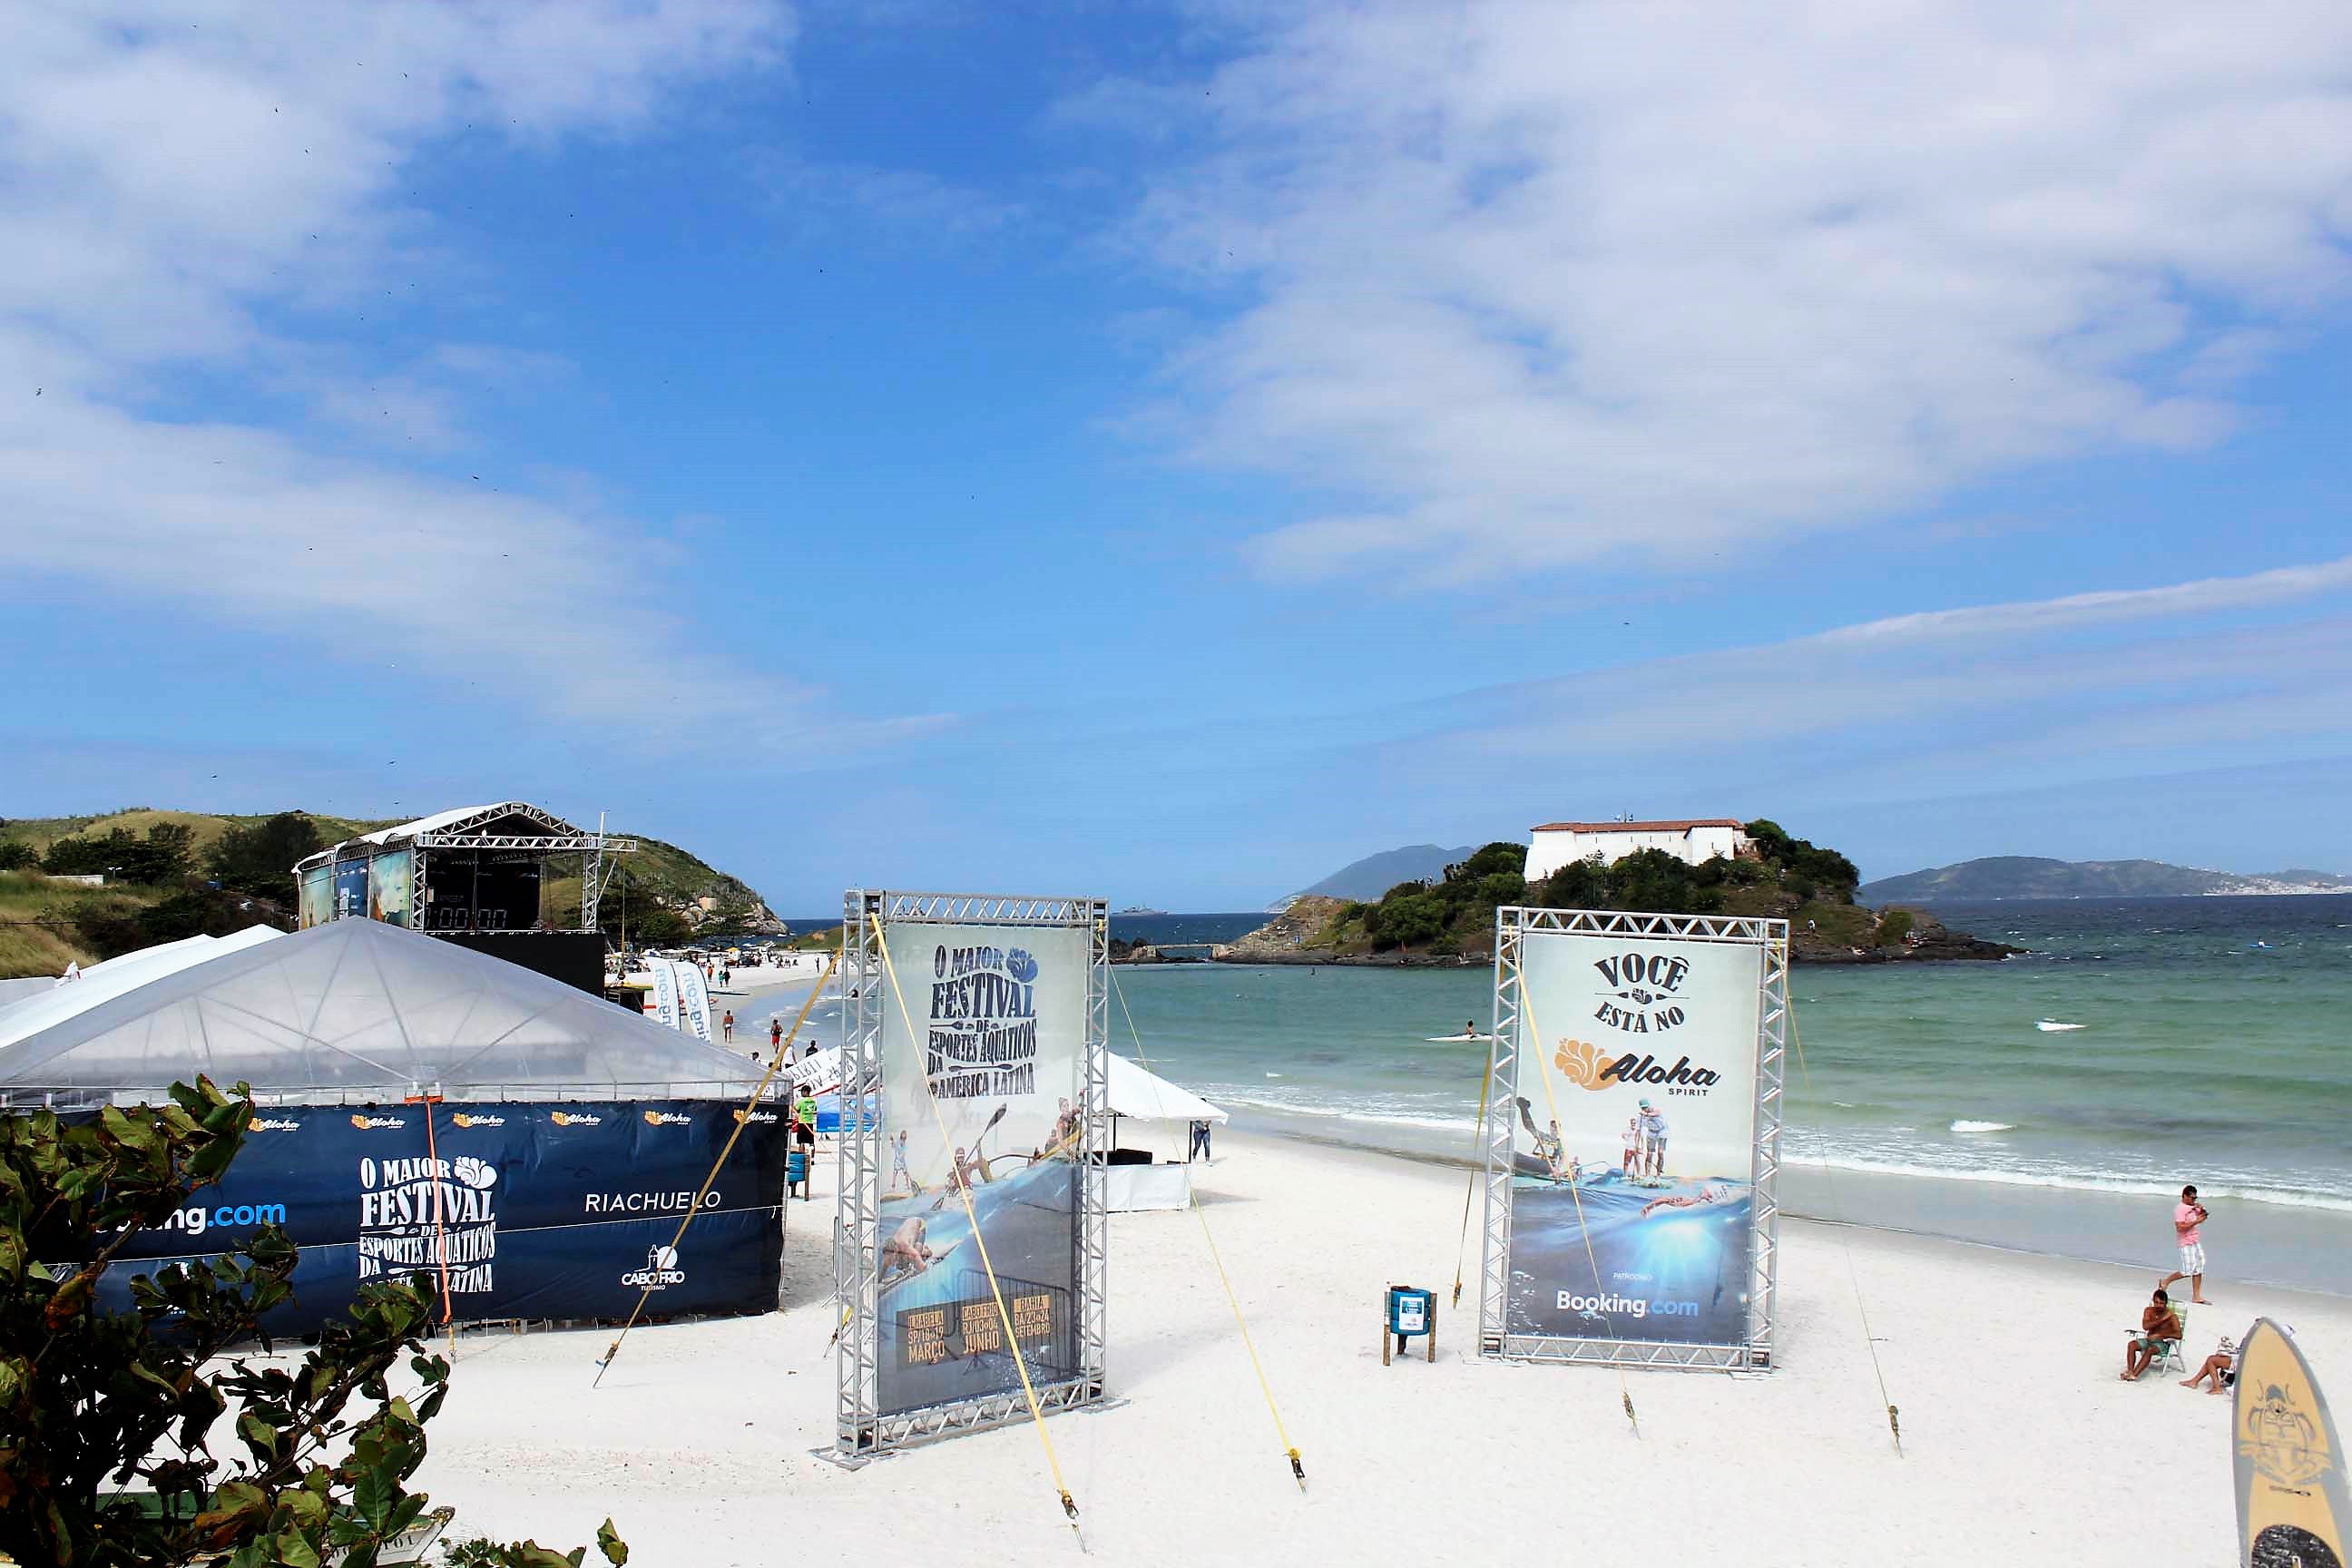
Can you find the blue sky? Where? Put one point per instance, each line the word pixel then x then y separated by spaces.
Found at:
pixel 1170 452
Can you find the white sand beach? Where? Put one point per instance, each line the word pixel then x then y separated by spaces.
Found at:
pixel 2020 1446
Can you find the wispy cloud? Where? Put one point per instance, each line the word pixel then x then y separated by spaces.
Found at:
pixel 2191 674
pixel 1521 285
pixel 192 190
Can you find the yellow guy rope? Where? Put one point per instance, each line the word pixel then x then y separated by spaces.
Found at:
pixel 962 1185
pixel 1289 1450
pixel 1894 1416
pixel 1527 1011
pixel 1470 1189
pixel 784 1052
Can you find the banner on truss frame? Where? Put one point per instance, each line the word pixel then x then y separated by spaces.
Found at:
pixel 1630 1165
pixel 982 1042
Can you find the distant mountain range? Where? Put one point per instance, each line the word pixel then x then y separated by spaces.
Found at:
pixel 2033 877
pixel 1366 879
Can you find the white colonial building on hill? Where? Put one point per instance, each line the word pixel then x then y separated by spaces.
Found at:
pixel 1557 843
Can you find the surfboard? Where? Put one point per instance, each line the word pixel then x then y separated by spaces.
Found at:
pixel 2293 1509
pixel 2050 1027
pixel 1455 1039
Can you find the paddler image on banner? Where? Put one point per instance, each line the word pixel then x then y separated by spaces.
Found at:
pixel 2293 1506
pixel 1634 1121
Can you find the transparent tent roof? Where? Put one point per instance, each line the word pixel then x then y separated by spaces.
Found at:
pixel 356 1010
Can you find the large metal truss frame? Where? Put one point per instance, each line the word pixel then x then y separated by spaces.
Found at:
pixel 863 1431
pixel 1513 928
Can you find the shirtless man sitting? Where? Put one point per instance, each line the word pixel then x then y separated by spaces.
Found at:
pixel 2157 1323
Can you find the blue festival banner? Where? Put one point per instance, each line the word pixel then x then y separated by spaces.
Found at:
pixel 515 1210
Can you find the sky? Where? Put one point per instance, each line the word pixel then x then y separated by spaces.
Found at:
pixel 1166 453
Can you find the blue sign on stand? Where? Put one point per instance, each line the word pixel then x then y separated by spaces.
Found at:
pixel 1410 1312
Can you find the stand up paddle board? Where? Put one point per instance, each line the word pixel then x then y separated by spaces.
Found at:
pixel 2292 1509
pixel 1455 1039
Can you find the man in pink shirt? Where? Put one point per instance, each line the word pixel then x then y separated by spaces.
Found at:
pixel 2188 1217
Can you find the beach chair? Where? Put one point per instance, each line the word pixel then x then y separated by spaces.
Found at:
pixel 796 1173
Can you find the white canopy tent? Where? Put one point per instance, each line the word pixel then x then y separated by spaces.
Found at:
pixel 358 1010
pixel 59 1000
pixel 1139 1094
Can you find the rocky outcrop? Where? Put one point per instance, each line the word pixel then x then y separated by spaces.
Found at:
pixel 1929 941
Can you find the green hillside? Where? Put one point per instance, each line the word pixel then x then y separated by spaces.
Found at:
pixel 159 863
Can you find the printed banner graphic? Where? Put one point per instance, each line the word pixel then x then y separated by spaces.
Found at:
pixel 665 998
pixel 1634 1139
pixel 389 878
pixel 523 1211
pixel 693 1001
pixel 982 1093
pixel 317 904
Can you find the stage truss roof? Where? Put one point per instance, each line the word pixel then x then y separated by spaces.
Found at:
pixel 492 826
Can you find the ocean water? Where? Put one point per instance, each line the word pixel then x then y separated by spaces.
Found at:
pixel 2210 1047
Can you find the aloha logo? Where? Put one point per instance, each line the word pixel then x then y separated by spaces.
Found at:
pixel 367 1123
pixel 1641 988
pixel 660 1272
pixel 1589 1066
pixel 1581 1063
pixel 467 1119
pixel 275 1125
pixel 667 1119
pixel 755 1116
pixel 575 1119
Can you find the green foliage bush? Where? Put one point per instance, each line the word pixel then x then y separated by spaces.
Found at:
pixel 107 1419
pixel 157 861
pixel 259 858
pixel 1892 927
pixel 16 854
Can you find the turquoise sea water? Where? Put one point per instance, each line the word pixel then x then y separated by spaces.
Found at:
pixel 2212 1048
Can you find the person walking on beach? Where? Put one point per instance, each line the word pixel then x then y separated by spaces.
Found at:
pixel 2188 1217
pixel 1200 1142
pixel 728 1024
pixel 775 1033
pixel 2157 1323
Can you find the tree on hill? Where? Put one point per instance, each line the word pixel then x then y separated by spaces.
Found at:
pixel 16 854
pixel 158 860
pixel 261 857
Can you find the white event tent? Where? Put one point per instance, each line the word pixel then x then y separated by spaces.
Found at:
pixel 356 1011
pixel 59 1000
pixel 1139 1094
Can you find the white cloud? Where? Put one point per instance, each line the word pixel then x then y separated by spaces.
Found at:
pixel 2189 674
pixel 1530 283
pixel 173 177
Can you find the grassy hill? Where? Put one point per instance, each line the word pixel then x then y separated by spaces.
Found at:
pixel 206 828
pixel 48 922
